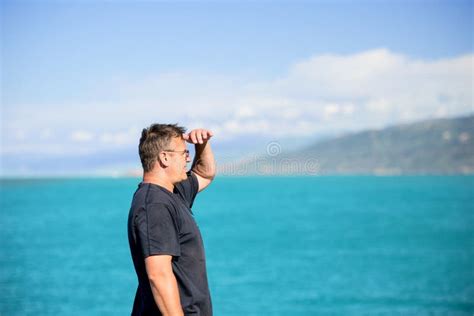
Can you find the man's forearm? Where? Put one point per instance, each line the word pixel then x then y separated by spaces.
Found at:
pixel 166 294
pixel 204 163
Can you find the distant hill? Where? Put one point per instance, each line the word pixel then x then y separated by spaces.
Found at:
pixel 438 146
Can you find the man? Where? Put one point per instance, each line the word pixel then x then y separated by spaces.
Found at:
pixel 165 242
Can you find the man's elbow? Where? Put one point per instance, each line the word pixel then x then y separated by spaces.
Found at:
pixel 211 175
pixel 208 173
pixel 160 275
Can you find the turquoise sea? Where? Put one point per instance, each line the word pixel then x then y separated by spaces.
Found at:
pixel 342 245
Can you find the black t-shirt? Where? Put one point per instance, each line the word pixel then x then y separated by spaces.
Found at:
pixel 161 222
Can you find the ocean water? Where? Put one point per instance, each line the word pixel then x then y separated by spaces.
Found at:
pixel 356 245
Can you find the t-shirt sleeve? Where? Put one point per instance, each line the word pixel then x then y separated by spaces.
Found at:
pixel 189 188
pixel 158 231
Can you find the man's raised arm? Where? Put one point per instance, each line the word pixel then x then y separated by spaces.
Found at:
pixel 204 165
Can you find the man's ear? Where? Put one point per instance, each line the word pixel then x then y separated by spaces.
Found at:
pixel 163 159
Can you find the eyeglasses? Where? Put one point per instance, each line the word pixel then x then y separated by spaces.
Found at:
pixel 182 152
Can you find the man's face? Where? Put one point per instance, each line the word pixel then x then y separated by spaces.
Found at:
pixel 179 159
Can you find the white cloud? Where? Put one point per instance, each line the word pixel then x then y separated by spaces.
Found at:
pixel 378 105
pixel 319 94
pixel 330 110
pixel 126 137
pixel 51 149
pixel 81 136
pixel 20 134
pixel 46 134
pixel 366 90
pixel 348 108
pixel 245 112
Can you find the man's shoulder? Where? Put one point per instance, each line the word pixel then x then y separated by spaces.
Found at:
pixel 149 200
pixel 149 194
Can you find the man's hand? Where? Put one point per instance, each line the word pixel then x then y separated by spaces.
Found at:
pixel 198 136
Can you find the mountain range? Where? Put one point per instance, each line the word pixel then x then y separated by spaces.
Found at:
pixel 435 146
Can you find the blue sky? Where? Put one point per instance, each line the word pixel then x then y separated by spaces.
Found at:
pixel 94 72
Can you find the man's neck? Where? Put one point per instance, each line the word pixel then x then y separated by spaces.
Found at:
pixel 159 180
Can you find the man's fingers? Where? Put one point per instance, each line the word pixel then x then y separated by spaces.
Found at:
pixel 193 136
pixel 206 134
pixel 199 136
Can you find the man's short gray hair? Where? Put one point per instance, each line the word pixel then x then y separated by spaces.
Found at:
pixel 155 139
